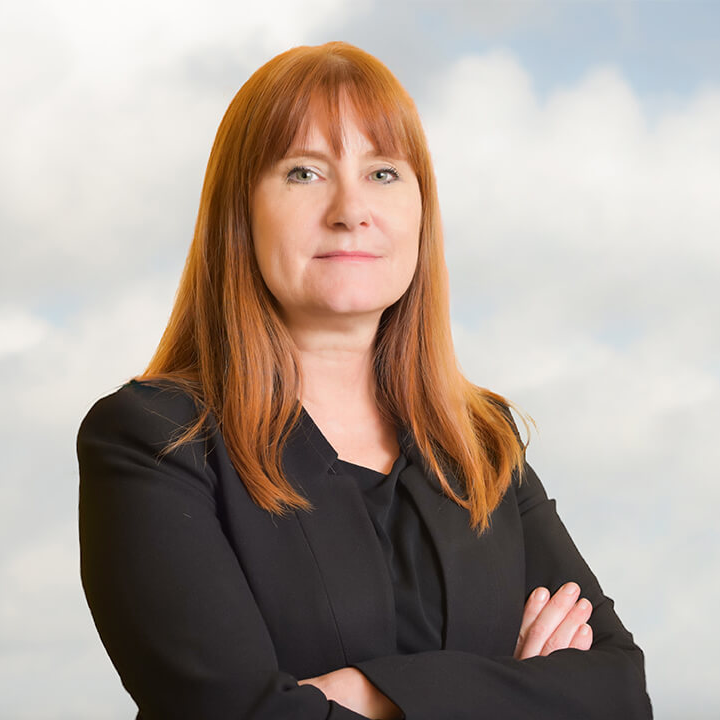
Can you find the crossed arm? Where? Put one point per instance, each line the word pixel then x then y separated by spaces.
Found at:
pixel 180 622
pixel 548 624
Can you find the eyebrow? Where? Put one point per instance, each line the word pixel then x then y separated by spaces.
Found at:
pixel 310 153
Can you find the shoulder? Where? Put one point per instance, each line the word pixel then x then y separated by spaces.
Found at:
pixel 160 412
pixel 126 441
pixel 529 490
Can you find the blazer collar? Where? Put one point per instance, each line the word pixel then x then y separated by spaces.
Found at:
pixel 307 443
pixel 344 544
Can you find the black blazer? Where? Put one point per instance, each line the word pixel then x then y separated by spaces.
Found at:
pixel 211 608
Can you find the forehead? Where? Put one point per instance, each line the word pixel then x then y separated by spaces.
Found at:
pixel 315 134
pixel 342 125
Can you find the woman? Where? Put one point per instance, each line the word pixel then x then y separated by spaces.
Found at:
pixel 302 509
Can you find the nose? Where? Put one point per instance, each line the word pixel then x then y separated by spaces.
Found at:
pixel 349 206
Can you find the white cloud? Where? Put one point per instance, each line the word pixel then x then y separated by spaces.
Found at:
pixel 493 17
pixel 582 245
pixel 113 116
pixel 582 242
pixel 114 110
pixel 19 330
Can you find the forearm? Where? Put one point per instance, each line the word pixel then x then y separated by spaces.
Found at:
pixel 168 596
pixel 351 688
pixel 571 684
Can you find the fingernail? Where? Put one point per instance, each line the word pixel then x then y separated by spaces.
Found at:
pixel 570 588
pixel 584 630
pixel 584 604
pixel 541 595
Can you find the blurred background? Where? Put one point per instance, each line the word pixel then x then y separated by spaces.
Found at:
pixel 577 151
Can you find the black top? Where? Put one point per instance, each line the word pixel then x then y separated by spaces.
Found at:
pixel 411 558
pixel 211 607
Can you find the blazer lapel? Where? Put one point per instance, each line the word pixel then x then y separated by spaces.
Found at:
pixel 351 563
pixel 470 575
pixel 345 546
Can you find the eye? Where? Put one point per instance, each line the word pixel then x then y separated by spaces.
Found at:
pixel 387 171
pixel 300 174
pixel 303 175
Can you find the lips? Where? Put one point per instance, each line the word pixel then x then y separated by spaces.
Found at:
pixel 349 254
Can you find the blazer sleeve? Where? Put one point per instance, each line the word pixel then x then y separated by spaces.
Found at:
pixel 166 592
pixel 606 681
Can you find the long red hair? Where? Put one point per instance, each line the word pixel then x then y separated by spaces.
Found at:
pixel 226 344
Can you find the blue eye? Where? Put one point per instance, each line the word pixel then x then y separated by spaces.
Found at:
pixel 300 169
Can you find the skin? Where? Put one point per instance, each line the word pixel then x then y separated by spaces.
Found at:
pixel 555 623
pixel 332 307
pixel 353 202
pixel 548 624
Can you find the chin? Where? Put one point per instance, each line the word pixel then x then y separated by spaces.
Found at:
pixel 364 302
pixel 355 308
pixel 350 310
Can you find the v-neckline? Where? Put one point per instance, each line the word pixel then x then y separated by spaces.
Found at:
pixel 325 447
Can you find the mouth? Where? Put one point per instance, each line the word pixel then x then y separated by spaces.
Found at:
pixel 349 255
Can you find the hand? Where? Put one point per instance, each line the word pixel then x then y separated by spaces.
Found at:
pixel 351 689
pixel 556 623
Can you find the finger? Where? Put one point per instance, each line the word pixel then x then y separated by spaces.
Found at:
pixel 583 638
pixel 548 619
pixel 316 681
pixel 535 603
pixel 566 630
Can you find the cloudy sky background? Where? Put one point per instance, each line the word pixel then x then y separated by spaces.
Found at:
pixel 577 150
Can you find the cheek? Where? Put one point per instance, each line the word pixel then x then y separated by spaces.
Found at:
pixel 273 262
pixel 409 214
pixel 412 242
pixel 409 232
pixel 267 241
pixel 267 258
pixel 410 258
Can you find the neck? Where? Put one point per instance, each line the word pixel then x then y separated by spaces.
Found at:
pixel 337 365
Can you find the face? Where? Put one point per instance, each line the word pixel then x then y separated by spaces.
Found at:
pixel 336 235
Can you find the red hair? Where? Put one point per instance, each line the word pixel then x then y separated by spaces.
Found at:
pixel 226 344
